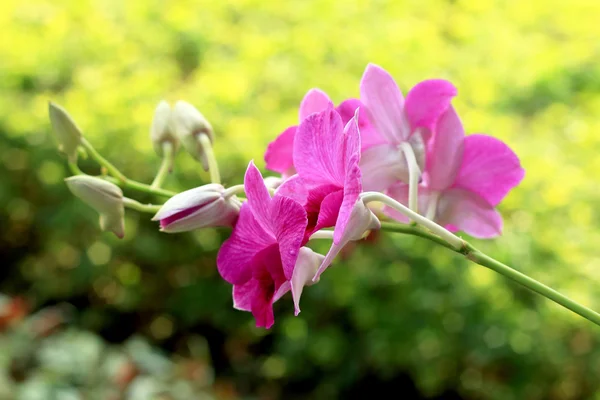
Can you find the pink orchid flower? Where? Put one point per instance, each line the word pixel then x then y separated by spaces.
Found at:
pixel 279 154
pixel 264 258
pixel 326 156
pixel 398 121
pixel 464 180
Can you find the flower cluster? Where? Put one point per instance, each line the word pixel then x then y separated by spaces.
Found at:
pixel 382 142
pixel 411 154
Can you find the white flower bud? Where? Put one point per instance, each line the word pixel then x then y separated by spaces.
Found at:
pixel 189 124
pixel 104 197
pixel 161 130
pixel 201 207
pixel 65 129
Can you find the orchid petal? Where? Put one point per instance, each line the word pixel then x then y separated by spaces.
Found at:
pixel 361 220
pixel 384 104
pixel 279 154
pixel 382 166
pixel 399 192
pixel 294 188
pixel 289 224
pixel 418 143
pixel 352 182
pixel 317 146
pixel 242 295
pixel 314 101
pixel 258 197
pixel 283 289
pixel 329 210
pixel 267 271
pixel 351 144
pixel 369 136
pixel 347 110
pixel 427 101
pixel 351 195
pixel 306 266
pixel 490 168
pixel 445 153
pixel 470 213
pixel 262 306
pixel 234 260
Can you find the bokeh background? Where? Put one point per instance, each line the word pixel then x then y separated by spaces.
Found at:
pixel 84 315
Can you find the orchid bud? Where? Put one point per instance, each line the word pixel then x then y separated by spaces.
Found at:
pixel 189 124
pixel 67 132
pixel 104 197
pixel 161 130
pixel 201 207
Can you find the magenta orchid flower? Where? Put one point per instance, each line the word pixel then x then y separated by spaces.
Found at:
pixel 264 258
pixel 279 154
pixel 326 156
pixel 464 180
pixel 398 121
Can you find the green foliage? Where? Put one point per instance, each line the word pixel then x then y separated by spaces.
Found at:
pixel 394 308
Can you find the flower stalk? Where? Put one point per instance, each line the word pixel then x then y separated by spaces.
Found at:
pixel 165 166
pixel 453 240
pixel 137 206
pixel 478 257
pixel 102 161
pixel 213 166
pixel 118 177
pixel 140 187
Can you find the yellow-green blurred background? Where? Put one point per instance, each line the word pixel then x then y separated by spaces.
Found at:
pixel 149 317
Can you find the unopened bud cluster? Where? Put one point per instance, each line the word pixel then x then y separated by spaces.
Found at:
pixel 170 127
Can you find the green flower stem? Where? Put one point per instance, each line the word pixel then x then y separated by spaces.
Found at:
pixel 413 176
pixel 136 205
pixel 75 168
pixel 140 187
pixel 165 166
pixel 102 161
pixel 415 231
pixel 480 258
pixel 131 184
pixel 119 179
pixel 213 166
pixel 456 242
